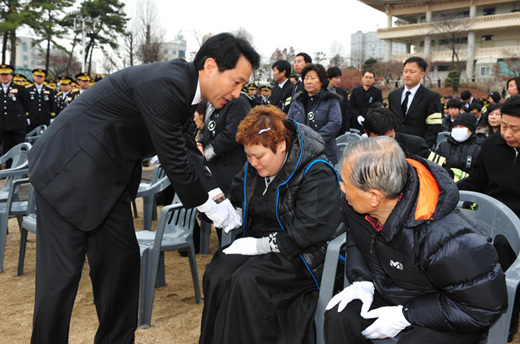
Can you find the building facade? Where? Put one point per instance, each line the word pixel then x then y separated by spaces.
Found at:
pixel 480 34
pixel 366 45
pixel 28 56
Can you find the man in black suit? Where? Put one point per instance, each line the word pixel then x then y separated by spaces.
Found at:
pixel 417 109
pixel 381 122
pixel 300 61
pixel 282 92
pixel 86 169
pixel 334 74
pixel 15 104
pixel 362 97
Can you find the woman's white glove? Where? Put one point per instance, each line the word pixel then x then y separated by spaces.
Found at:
pixel 390 321
pixel 362 290
pixel 244 246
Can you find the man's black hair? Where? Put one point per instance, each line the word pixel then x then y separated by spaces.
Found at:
pixel 226 49
pixel 305 56
pixel 333 72
pixel 511 106
pixel 465 95
pixel 371 72
pixel 379 121
pixel 423 65
pixel 283 66
pixel 475 106
pixel 454 103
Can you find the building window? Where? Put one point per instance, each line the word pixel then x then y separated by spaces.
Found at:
pixel 488 11
pixel 486 38
pixel 484 71
pixel 24 47
pixel 26 58
pixel 182 54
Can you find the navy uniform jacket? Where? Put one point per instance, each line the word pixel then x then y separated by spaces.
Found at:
pixel 62 102
pixel 92 153
pixel 42 106
pixel 15 104
pixel 424 116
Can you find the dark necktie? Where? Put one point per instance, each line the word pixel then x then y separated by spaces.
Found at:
pixel 404 105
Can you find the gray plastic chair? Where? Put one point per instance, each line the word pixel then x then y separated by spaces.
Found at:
pixel 441 137
pixel 12 206
pixel 174 231
pixel 347 137
pixel 35 134
pixel 149 191
pixel 491 217
pixel 19 161
pixel 28 225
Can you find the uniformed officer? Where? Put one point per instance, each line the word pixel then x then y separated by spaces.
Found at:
pixel 252 90
pixel 20 79
pixel 83 80
pixel 66 95
pixel 265 91
pixel 14 105
pixel 42 100
pixel 51 84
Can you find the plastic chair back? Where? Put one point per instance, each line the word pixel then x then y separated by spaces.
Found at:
pixel 35 134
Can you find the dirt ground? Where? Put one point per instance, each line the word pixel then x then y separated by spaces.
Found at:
pixel 175 319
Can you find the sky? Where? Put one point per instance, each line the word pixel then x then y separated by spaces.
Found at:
pixel 308 26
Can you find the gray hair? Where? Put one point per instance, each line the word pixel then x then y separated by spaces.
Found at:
pixel 377 163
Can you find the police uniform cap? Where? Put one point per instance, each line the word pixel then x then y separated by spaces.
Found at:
pixel 252 87
pixel 39 72
pixel 6 69
pixel 82 77
pixel 265 88
pixel 65 80
pixel 20 78
pixel 50 83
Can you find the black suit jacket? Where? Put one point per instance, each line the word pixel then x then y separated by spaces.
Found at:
pixel 424 116
pixel 281 97
pixel 413 145
pixel 91 154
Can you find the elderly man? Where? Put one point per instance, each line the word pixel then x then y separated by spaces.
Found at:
pixel 419 270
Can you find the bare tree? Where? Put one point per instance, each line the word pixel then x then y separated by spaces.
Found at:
pixel 319 57
pixel 61 64
pixel 130 43
pixel 389 71
pixel 451 29
pixel 357 58
pixel 337 59
pixel 150 44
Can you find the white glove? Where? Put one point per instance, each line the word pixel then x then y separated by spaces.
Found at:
pixel 390 321
pixel 362 290
pixel 154 160
pixel 244 246
pixel 52 120
pixel 209 152
pixel 360 119
pixel 28 121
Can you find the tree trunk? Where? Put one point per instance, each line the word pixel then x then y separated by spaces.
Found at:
pixel 12 42
pixel 5 37
pixel 71 54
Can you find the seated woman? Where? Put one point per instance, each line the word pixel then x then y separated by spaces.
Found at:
pixel 493 120
pixel 318 108
pixel 263 287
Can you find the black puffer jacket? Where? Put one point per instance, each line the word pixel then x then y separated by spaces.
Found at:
pixel 460 155
pixel 306 196
pixel 428 257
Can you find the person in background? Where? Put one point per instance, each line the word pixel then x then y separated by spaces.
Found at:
pixel 362 97
pixel 381 122
pixel 459 153
pixel 420 271
pixel 318 108
pixel 282 91
pixel 83 81
pixel 265 95
pixel 67 94
pixel 493 120
pixel 513 86
pixel 417 109
pixel 263 287
pixel 454 107
pixel 494 98
pixel 300 61
pixel 334 76
pixel 42 101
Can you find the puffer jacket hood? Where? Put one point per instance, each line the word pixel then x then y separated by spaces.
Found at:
pixel 437 196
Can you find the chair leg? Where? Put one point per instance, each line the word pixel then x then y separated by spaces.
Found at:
pixel 3 235
pixel 194 273
pixel 205 232
pixel 147 212
pixel 21 255
pixel 161 279
pixel 154 209
pixel 144 286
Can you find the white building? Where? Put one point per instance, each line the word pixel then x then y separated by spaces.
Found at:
pixel 366 45
pixel 28 57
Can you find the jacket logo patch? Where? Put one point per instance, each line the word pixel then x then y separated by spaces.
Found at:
pixel 397 265
pixel 13 90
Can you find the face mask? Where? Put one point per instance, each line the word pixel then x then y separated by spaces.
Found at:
pixel 460 134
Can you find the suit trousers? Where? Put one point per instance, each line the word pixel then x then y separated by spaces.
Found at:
pixel 10 138
pixel 346 327
pixel 113 256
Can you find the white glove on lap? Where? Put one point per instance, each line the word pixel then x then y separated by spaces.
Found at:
pixel 360 119
pixel 244 246
pixel 362 290
pixel 390 321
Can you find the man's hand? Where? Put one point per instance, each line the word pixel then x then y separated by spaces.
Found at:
pixel 362 290
pixel 244 246
pixel 390 321
pixel 222 214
